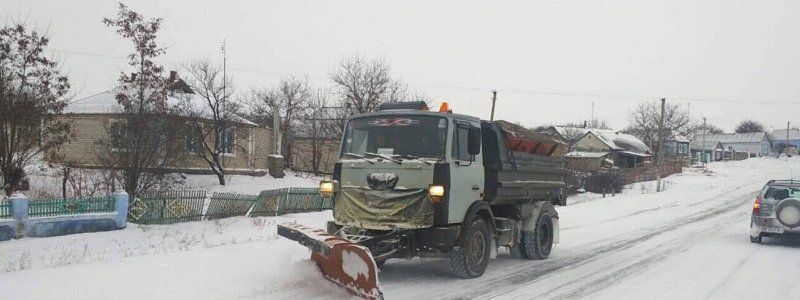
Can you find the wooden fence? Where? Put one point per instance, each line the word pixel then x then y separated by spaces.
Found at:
pixel 649 172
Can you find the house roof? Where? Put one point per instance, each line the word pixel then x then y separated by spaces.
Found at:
pixel 620 141
pixel 565 130
pixel 106 103
pixel 728 138
pixel 712 141
pixel 708 145
pixel 681 139
pixel 583 154
pixel 780 134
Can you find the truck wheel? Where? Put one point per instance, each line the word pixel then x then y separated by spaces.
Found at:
pixel 537 244
pixel 471 258
pixel 380 263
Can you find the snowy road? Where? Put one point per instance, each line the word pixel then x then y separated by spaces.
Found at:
pixel 689 242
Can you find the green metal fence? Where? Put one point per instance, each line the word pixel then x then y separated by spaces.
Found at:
pixel 289 200
pixel 167 207
pixel 69 206
pixel 223 205
pixel 5 209
pixel 267 203
pixel 183 206
pixel 301 200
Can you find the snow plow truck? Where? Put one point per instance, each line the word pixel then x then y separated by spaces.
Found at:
pixel 411 182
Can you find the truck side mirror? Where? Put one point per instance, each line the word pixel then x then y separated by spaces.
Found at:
pixel 474 141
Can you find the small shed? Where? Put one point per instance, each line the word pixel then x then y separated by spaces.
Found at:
pixel 588 161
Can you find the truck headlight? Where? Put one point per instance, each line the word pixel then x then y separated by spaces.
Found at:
pixel 436 192
pixel 326 189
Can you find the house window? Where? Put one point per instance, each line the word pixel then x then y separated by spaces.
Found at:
pixel 683 148
pixel 460 137
pixel 228 138
pixel 118 134
pixel 193 137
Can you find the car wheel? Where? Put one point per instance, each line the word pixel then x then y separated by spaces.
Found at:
pixel 471 258
pixel 756 239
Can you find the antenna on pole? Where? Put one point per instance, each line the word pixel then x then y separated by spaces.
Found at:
pixel 224 82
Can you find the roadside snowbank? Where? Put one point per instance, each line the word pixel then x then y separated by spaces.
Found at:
pixel 180 261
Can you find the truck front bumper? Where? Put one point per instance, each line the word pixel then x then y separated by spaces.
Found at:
pixel 405 243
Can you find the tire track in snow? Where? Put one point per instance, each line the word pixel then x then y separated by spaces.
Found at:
pixel 586 285
pixel 728 278
pixel 655 209
pixel 512 280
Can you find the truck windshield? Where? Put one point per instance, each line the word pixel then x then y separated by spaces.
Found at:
pixel 397 136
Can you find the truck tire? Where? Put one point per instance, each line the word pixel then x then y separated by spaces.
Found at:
pixel 470 259
pixel 537 244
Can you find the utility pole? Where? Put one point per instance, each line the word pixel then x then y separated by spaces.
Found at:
pixel 494 99
pixel 786 145
pixel 660 145
pixel 703 147
pixel 276 127
pixel 593 123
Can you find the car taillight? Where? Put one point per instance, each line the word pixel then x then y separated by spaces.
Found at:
pixel 757 206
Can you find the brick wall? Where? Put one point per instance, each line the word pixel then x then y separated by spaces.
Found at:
pixel 302 155
pixel 253 144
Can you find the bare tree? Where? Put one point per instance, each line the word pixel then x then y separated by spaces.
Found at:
pixel 316 128
pixel 288 100
pixel 32 95
pixel 399 91
pixel 643 122
pixel 211 115
pixel 709 128
pixel 362 83
pixel 139 145
pixel 748 126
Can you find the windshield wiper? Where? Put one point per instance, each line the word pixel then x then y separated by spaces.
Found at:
pixel 386 157
pixel 358 156
pixel 409 156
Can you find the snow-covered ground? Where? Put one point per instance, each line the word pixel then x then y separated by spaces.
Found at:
pixel 252 185
pixel 689 242
pixel 46 181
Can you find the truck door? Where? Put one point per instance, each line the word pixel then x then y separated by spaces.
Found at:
pixel 466 172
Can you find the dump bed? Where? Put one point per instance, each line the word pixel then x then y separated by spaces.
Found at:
pixel 521 166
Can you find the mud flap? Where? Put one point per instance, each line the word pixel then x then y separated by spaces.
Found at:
pixel 345 263
pixel 556 231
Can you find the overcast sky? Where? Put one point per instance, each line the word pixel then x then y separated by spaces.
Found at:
pixel 549 61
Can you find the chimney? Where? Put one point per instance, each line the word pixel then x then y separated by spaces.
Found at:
pixel 173 75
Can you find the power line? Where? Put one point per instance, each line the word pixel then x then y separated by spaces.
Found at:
pixel 607 96
pixel 512 90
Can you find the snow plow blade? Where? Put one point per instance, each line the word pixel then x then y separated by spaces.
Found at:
pixel 345 263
